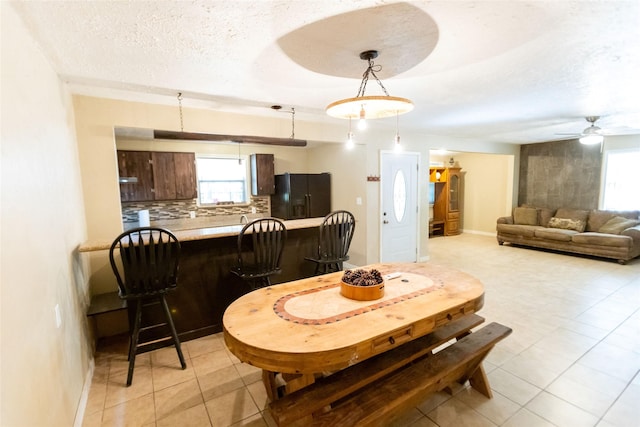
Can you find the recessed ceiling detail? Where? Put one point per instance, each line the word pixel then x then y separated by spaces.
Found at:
pixel 403 34
pixel 513 72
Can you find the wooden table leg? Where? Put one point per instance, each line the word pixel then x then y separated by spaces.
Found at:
pixel 269 381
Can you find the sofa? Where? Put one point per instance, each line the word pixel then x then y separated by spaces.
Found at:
pixel 600 233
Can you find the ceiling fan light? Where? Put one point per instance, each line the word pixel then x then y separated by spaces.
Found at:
pixel 591 139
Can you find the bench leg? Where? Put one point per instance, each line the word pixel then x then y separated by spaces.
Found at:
pixel 480 382
pixel 476 376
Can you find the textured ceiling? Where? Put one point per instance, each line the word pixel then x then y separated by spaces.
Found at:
pixel 498 71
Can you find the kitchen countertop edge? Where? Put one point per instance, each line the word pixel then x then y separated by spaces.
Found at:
pixel 206 233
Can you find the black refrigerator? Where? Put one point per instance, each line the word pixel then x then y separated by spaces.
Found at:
pixel 301 195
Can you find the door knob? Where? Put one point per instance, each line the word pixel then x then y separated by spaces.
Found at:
pixel 385 222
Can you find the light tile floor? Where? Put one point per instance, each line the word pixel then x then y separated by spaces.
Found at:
pixel 572 360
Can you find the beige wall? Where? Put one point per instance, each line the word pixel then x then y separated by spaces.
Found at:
pixel 43 367
pixel 488 181
pixel 488 186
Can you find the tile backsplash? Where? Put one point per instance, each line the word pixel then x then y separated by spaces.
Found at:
pixel 181 209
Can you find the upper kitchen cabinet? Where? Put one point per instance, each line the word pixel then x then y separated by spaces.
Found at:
pixel 135 176
pixel 148 176
pixel 174 175
pixel 186 181
pixel 262 174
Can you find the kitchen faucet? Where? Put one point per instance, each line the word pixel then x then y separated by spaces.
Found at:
pixel 244 219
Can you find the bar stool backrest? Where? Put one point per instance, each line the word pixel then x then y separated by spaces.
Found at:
pixel 336 232
pixel 260 246
pixel 148 261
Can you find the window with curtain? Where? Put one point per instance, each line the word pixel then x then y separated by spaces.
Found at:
pixel 622 176
pixel 221 180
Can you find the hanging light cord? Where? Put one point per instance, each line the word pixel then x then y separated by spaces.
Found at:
pixel 180 106
pixel 371 69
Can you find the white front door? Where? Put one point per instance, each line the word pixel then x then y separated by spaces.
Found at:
pixel 399 206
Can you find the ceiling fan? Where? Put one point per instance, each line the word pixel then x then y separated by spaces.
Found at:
pixel 591 135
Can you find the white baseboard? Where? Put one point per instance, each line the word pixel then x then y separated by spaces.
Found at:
pixel 82 404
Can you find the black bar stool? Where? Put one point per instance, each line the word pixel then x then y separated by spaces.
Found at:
pixel 260 246
pixel 336 232
pixel 146 270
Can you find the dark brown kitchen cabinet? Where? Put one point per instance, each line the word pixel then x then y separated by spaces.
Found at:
pixel 174 175
pixel 146 175
pixel 186 185
pixel 135 176
pixel 164 176
pixel 262 174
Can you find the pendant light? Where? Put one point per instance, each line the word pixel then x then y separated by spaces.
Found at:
pixel 396 140
pixel 363 106
pixel 350 143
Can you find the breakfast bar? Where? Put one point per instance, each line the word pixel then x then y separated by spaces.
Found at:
pixel 205 284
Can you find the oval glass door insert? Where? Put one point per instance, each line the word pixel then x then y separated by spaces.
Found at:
pixel 399 195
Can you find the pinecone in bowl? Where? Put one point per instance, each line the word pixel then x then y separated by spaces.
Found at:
pixel 362 277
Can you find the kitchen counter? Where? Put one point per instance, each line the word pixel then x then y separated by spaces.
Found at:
pixel 205 233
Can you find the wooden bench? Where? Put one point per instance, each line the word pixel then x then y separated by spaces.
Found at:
pixel 338 399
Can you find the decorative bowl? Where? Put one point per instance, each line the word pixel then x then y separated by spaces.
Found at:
pixel 362 293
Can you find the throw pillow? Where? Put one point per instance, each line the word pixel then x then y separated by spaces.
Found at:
pixel 577 214
pixel 525 216
pixel 567 224
pixel 617 225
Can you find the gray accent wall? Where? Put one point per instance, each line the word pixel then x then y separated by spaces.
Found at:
pixel 560 174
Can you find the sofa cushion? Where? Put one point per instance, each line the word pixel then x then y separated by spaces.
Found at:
pixel 617 225
pixel 558 234
pixel 567 224
pixel 597 218
pixel 600 239
pixel 544 216
pixel 517 230
pixel 525 216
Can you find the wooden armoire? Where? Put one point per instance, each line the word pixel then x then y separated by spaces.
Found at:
pixel 447 202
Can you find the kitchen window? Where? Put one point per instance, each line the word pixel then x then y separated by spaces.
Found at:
pixel 222 180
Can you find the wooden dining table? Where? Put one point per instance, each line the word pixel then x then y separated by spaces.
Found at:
pixel 298 330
